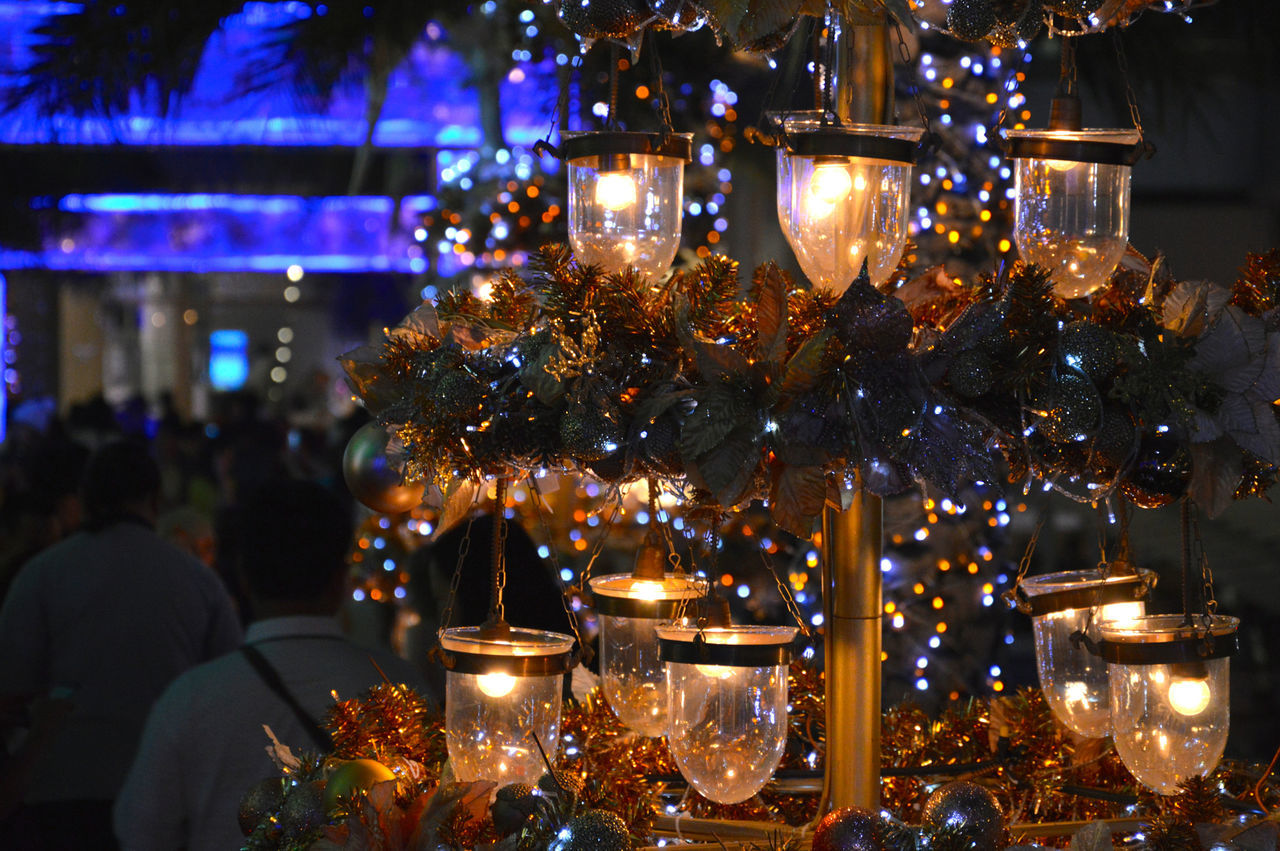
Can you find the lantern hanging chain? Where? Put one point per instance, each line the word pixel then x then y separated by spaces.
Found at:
pixel 565 591
pixel 464 547
pixel 914 83
pixel 615 58
pixel 794 53
pixel 788 599
pixel 1010 89
pixel 828 67
pixel 1206 575
pixel 560 110
pixel 673 557
pixel 659 88
pixel 1068 77
pixel 498 553
pixel 1015 596
pixel 1146 148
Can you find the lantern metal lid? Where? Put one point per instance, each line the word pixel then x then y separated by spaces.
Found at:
pixel 814 134
pixel 730 646
pixel 626 595
pixel 615 143
pixel 1106 147
pixel 503 649
pixel 1080 589
pixel 1169 639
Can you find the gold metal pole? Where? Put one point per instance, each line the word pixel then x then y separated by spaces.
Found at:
pixel 862 84
pixel 851 593
pixel 851 539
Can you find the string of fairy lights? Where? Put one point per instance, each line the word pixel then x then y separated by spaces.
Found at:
pixel 944 567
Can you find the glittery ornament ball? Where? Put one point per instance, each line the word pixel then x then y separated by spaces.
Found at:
pixel 1160 472
pixel 971 20
pixel 1010 11
pixel 370 475
pixel 678 14
pixel 303 810
pixel 593 830
pixel 848 829
pixel 971 373
pixel 1088 347
pixel 1073 8
pixel 589 434
pixel 602 18
pixel 512 806
pixel 1072 408
pixel 260 801
pixel 968 807
pixel 659 445
pixel 561 782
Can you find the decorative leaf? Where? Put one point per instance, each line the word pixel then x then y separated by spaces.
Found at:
pixel 420 325
pixel 729 468
pixel 1094 836
pixel 542 374
pixel 771 313
pixel 720 410
pixel 1185 309
pixel 720 360
pixel 798 497
pixel 868 322
pixel 805 368
pixel 459 499
pixel 1252 425
pixel 1233 352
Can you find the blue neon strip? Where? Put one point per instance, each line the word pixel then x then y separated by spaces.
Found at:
pixel 142 262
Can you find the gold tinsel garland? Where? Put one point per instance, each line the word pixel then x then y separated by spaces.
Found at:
pixel 1011 745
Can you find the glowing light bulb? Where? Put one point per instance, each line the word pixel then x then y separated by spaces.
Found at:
pixel 715 672
pixel 830 183
pixel 496 684
pixel 615 190
pixel 1122 614
pixel 646 590
pixel 1188 695
pixel 1061 165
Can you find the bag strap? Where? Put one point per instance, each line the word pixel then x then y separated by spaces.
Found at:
pixel 271 677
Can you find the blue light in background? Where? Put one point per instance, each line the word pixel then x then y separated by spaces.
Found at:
pixel 4 342
pixel 228 358
pixel 212 232
pixel 428 102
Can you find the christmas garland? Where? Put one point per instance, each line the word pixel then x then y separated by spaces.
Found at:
pixel 956 781
pixel 1156 389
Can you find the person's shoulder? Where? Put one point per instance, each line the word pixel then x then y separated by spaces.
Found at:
pixel 217 677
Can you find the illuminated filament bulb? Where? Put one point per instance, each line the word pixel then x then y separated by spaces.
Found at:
pixel 496 684
pixel 615 190
pixel 1188 695
pixel 646 590
pixel 1061 165
pixel 830 183
pixel 715 672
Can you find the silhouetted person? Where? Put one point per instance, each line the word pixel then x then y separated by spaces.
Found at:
pixel 204 745
pixel 532 598
pixel 106 619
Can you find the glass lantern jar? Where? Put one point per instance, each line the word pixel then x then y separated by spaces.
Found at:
pixel 844 197
pixel 1063 606
pixel 1071 208
pixel 626 198
pixel 728 705
pixel 634 678
pixel 502 688
pixel 1170 700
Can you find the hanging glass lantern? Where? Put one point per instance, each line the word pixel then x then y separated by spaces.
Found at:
pixel 626 198
pixel 844 196
pixel 1063 607
pixel 1170 702
pixel 631 606
pixel 503 687
pixel 1071 210
pixel 728 704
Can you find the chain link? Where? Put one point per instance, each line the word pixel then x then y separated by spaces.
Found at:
pixel 498 555
pixel 1010 88
pixel 555 562
pixel 1134 114
pixel 1014 595
pixel 659 86
pixel 464 547
pixel 905 53
pixel 787 598
pixel 1206 575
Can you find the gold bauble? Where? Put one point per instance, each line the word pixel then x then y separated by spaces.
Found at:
pixel 371 476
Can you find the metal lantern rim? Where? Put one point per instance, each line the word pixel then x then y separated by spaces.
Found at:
pixel 1082 589
pixel 756 647
pixel 528 653
pixel 595 143
pixel 610 597
pixel 1168 639
pixel 1100 146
